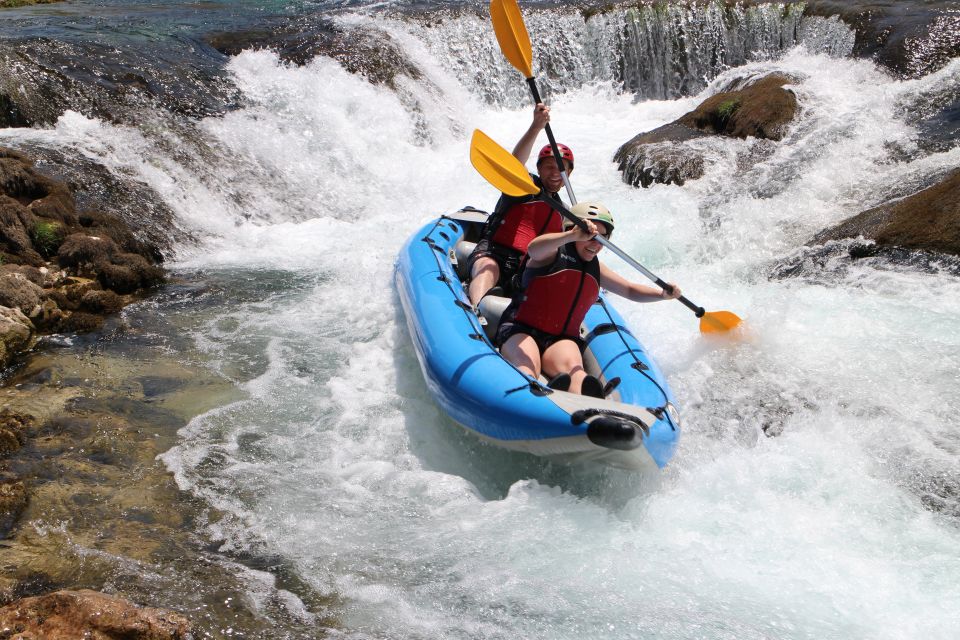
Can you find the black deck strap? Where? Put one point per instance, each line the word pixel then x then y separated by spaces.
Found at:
pixel 639 366
pixel 433 244
pixel 535 388
pixel 473 209
pixel 604 329
pixel 662 414
pixel 579 417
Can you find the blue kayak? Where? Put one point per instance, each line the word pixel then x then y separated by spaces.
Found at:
pixel 635 427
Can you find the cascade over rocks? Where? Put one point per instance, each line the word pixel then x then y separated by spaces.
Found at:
pixel 65 615
pixel 371 54
pixel 62 269
pixel 747 107
pixel 928 220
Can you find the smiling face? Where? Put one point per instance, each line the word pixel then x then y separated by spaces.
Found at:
pixel 550 175
pixel 588 249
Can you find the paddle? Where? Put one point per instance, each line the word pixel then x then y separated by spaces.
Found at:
pixel 507 174
pixel 515 43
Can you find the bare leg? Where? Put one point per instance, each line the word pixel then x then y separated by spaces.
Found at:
pixel 564 357
pixel 523 352
pixel 483 277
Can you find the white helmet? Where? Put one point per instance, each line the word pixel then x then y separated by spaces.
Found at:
pixel 591 211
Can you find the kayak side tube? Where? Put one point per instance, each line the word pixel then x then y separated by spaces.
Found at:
pixel 486 394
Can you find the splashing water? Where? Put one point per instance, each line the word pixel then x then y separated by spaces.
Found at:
pixel 337 459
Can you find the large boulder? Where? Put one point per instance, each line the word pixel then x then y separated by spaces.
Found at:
pixel 748 107
pixel 929 220
pixel 70 615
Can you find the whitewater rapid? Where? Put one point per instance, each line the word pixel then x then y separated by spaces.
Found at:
pixel 338 461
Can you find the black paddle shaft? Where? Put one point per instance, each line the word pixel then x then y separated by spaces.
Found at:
pixel 553 143
pixel 557 205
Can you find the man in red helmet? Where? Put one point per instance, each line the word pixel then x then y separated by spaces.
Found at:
pixel 516 221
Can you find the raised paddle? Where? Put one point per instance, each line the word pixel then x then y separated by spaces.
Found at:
pixel 507 174
pixel 515 43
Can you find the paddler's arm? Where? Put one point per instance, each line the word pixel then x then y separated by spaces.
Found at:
pixel 542 250
pixel 615 283
pixel 524 147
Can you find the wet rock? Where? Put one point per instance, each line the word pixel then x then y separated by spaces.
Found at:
pixel 129 272
pixel 911 39
pixel 38 219
pixel 926 221
pixel 16 333
pixel 13 500
pixel 15 220
pixel 112 227
pixel 365 52
pixel 159 385
pixel 10 114
pixel 106 202
pixel 84 252
pixel 748 107
pixel 16 291
pixel 80 322
pixel 7 4
pixel 64 615
pixel 101 302
pixel 13 431
pixel 33 274
pixel 660 156
pixel 49 317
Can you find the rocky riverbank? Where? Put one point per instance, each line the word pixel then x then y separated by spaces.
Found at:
pixel 88 404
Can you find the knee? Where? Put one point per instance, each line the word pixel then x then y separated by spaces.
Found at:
pixel 485 267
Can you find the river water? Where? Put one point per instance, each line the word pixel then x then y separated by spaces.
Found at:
pixel 843 525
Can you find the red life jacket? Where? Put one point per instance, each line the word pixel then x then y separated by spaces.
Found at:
pixel 556 297
pixel 521 223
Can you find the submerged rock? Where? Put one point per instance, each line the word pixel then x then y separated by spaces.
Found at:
pixel 749 107
pixel 928 220
pixel 64 615
pixel 13 500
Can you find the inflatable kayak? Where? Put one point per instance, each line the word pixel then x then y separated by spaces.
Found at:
pixel 635 427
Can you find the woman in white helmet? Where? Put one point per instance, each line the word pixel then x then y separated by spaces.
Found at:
pixel 540 331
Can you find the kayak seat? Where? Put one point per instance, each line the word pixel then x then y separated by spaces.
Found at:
pixel 462 252
pixel 492 308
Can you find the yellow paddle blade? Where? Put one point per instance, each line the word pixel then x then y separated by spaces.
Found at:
pixel 512 35
pixel 499 167
pixel 718 321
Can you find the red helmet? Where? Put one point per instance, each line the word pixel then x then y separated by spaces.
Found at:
pixel 565 153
